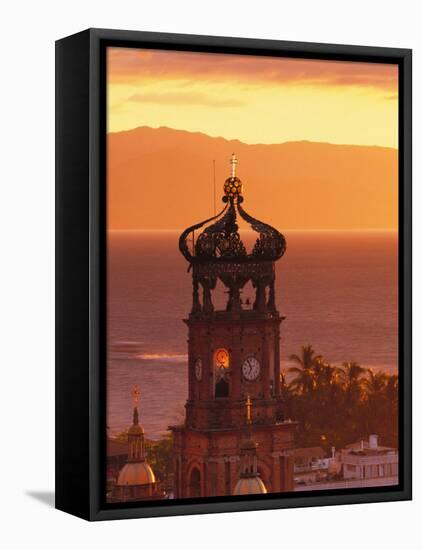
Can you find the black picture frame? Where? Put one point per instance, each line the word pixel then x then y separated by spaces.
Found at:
pixel 81 272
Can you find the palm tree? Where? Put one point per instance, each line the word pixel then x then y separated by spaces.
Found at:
pixel 375 415
pixel 391 389
pixel 352 411
pixel 285 392
pixel 375 383
pixel 307 358
pixel 352 375
pixel 391 396
pixel 353 372
pixel 326 374
pixel 304 381
pixel 284 387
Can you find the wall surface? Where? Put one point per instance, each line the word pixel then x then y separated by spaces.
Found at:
pixel 27 276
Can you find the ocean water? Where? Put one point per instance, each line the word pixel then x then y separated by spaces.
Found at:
pixel 338 291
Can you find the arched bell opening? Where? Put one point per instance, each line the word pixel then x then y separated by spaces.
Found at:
pixel 220 296
pixel 233 287
pixel 234 284
pixel 247 296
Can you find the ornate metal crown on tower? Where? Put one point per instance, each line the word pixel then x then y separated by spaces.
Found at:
pixel 215 250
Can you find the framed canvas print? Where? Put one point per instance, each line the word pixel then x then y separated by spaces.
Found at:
pixel 233 274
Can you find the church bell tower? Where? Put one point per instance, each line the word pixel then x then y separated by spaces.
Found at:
pixel 233 353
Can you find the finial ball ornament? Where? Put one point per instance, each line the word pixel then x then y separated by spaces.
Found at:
pixel 232 186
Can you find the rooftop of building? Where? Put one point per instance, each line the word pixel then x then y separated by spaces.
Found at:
pixel 373 452
pixel 369 447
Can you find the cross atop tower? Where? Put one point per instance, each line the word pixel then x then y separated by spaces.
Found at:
pixel 233 162
pixel 135 395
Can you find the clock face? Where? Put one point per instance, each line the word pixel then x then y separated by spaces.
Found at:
pixel 221 358
pixel 198 369
pixel 251 368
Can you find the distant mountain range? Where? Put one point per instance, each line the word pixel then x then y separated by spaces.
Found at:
pixel 163 179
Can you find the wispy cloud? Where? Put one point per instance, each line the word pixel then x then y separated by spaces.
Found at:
pixel 185 98
pixel 125 64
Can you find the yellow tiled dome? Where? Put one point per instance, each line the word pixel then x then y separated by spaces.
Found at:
pixel 136 473
pixel 250 486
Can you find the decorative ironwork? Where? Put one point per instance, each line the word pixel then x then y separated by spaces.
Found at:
pixel 270 244
pixel 221 240
pixel 215 250
pixel 184 248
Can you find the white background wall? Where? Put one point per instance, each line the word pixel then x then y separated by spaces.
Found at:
pixel 27 271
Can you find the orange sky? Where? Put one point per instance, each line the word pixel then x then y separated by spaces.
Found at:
pixel 256 100
pixel 253 99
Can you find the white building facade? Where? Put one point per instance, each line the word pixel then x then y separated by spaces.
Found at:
pixel 369 460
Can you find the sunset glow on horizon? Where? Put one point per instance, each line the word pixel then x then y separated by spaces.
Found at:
pixel 254 99
pixel 320 137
